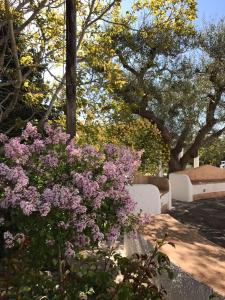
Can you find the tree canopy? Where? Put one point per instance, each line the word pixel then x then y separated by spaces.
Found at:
pixel 174 79
pixel 150 59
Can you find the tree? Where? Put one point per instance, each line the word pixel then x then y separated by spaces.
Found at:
pixel 39 33
pixel 162 82
pixel 27 49
pixel 71 65
pixel 213 153
pixel 136 133
pixel 95 13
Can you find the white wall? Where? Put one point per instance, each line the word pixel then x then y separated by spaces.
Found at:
pixel 181 187
pixel 167 199
pixel 147 197
pixel 208 187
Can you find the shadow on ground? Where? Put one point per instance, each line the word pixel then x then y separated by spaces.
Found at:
pixel 205 216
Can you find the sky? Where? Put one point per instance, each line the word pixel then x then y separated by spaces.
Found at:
pixel 210 10
pixel 207 9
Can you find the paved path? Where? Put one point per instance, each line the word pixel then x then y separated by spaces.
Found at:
pixel 205 216
pixel 194 254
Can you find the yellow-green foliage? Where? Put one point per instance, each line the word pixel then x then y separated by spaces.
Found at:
pixel 213 154
pixel 139 134
pixel 175 16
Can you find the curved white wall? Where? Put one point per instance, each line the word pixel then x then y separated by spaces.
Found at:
pixel 147 197
pixel 181 187
pixel 166 200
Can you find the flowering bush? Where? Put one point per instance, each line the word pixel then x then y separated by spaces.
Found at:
pixel 58 198
pixel 77 193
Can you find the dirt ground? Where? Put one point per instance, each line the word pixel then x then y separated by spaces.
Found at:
pixel 205 216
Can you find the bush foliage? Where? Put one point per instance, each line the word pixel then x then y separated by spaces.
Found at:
pixel 58 201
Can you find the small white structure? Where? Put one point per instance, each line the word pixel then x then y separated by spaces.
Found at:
pixel 196 162
pixel 222 164
pixel 198 183
pixel 147 197
pixel 152 194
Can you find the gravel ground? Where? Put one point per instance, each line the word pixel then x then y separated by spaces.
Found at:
pixel 206 216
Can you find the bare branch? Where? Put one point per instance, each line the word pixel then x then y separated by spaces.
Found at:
pixel 22 4
pixel 14 125
pixel 13 45
pixel 4 115
pixel 88 22
pixel 102 13
pixel 85 26
pixel 56 78
pixel 54 97
pixel 32 17
pixel 5 99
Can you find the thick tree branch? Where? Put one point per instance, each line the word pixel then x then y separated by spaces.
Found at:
pixel 154 120
pixel 125 63
pixel 213 136
pixel 210 122
pixel 181 140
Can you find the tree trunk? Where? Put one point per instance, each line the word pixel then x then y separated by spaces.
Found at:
pixel 174 165
pixel 71 66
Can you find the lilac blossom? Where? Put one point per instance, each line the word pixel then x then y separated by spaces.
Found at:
pixel 17 175
pixel 4 170
pixel 89 151
pixel 3 138
pixel 30 132
pixel 73 152
pixel 9 239
pixel 62 224
pixel 50 242
pixel 44 209
pixel 80 191
pixel 69 250
pixel 113 234
pixel 27 207
pixel 84 182
pixel 16 151
pixel 11 198
pixel 50 160
pixel 37 146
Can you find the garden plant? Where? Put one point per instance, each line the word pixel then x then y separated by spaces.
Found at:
pixel 62 209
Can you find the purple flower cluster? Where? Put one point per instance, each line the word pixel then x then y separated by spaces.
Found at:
pixel 30 132
pixel 10 240
pixel 51 160
pixel 79 190
pixel 69 250
pixel 15 175
pixel 17 151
